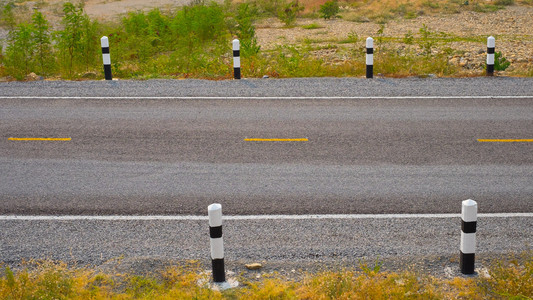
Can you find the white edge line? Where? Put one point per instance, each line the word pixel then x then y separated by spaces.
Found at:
pixel 253 217
pixel 267 97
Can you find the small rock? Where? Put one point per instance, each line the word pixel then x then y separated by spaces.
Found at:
pixel 481 51
pixel 265 76
pixel 33 77
pixel 253 266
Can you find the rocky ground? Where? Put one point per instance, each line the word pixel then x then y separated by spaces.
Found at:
pixel 512 27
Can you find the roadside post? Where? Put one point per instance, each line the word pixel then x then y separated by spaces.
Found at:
pixel 214 212
pixel 106 57
pixel 236 59
pixel 369 57
pixel 491 45
pixel 468 236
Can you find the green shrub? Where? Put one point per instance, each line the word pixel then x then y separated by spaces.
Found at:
pixel 20 50
pixel 78 42
pixel 8 16
pixel 500 62
pixel 43 47
pixel 289 12
pixel 268 8
pixel 427 39
pixel 329 9
pixel 246 30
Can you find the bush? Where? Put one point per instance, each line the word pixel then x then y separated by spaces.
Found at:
pixel 500 62
pixel 246 30
pixel 78 41
pixel 43 47
pixel 289 12
pixel 20 50
pixel 329 9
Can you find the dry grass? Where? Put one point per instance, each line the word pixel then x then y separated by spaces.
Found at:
pixel 55 280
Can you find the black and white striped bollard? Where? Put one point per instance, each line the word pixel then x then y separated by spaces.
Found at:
pixel 106 57
pixel 369 57
pixel 236 59
pixel 468 236
pixel 491 45
pixel 214 212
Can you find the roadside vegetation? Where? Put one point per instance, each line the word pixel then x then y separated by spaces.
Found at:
pixel 56 280
pixel 194 41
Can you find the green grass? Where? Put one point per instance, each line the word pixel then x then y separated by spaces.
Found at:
pixel 507 279
pixel 312 26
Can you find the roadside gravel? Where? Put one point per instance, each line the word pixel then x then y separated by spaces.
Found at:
pixel 295 87
pixel 290 247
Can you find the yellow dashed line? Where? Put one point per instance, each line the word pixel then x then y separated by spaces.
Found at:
pixel 277 140
pixel 39 139
pixel 504 140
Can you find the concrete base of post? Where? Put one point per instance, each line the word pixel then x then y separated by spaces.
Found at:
pixel 452 272
pixel 230 283
pixel 226 285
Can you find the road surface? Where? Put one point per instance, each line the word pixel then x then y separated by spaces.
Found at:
pixel 171 148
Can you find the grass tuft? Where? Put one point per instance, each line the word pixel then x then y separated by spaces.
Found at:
pixel 312 26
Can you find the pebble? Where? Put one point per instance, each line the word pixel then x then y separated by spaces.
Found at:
pixel 253 266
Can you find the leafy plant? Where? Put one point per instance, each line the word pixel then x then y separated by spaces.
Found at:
pixel 289 12
pixel 353 37
pixel 8 16
pixel 20 50
pixel 500 62
pixel 408 38
pixel 73 38
pixel 43 47
pixel 329 10
pixel 427 40
pixel 246 30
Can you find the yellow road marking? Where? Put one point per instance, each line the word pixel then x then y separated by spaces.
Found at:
pixel 39 139
pixel 277 140
pixel 504 140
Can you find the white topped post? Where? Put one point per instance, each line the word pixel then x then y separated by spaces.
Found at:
pixel 104 41
pixel 214 212
pixel 369 57
pixel 491 45
pixel 236 59
pixel 468 236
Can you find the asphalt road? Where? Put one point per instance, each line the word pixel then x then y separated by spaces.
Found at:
pixel 175 156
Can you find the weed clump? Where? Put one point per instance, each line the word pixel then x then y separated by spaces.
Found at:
pixel 329 10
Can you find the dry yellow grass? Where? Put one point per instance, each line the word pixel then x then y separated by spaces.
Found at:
pixel 56 280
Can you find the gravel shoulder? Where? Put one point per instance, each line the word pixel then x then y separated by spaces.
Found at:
pixel 289 247
pixel 293 87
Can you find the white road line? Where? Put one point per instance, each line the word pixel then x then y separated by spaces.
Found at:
pixel 252 217
pixel 268 97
